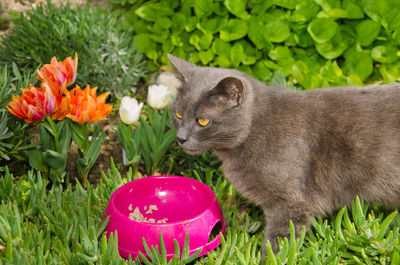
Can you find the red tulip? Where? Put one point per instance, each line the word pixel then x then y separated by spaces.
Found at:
pixel 57 73
pixel 36 103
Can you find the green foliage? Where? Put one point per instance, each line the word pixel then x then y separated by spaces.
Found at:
pixel 64 225
pixel 149 141
pixel 107 58
pixel 13 132
pixel 314 43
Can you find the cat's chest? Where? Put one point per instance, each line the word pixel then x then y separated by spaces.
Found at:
pixel 245 178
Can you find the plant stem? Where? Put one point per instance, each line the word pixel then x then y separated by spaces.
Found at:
pixel 55 133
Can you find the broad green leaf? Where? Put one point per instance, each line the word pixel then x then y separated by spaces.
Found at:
pixel 277 31
pixel 385 54
pixel 222 61
pixel 144 42
pixel 237 7
pixel 367 31
pixel 334 48
pixel 205 41
pixel 167 46
pixel 213 25
pixel 36 159
pixel 195 40
pixel 237 54
pixel 280 52
pixel 322 30
pixel 203 8
pixel 390 72
pixel 191 23
pixel 305 12
pixel 206 56
pixel 358 62
pixel 164 22
pixel 221 47
pixel 375 9
pixel 302 38
pixel 262 71
pixel 152 11
pixel 220 9
pixel 289 4
pixel 235 29
pixel 54 159
pixel 178 22
pixel 353 11
pixel 256 33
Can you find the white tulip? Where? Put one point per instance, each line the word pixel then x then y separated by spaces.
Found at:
pixel 158 96
pixel 169 80
pixel 129 110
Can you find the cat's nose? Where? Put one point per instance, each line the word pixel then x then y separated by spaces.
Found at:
pixel 181 140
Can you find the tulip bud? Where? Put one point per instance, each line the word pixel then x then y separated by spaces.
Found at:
pixel 158 96
pixel 129 110
pixel 169 80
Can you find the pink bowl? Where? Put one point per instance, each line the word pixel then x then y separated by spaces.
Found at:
pixel 190 206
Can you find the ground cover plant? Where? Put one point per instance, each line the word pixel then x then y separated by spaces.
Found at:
pixel 315 43
pixel 59 219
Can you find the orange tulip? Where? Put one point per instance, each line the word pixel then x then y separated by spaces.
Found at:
pixel 56 73
pixel 36 103
pixel 85 106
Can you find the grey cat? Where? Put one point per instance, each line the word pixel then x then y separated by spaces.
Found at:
pixel 297 154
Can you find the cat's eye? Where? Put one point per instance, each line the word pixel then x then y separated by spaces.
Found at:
pixel 178 115
pixel 203 122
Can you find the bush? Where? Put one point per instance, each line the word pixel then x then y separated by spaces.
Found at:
pixel 107 59
pixel 314 43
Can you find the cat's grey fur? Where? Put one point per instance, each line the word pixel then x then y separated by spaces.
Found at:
pixel 297 154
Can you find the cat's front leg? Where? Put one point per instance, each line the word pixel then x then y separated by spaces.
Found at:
pixel 278 219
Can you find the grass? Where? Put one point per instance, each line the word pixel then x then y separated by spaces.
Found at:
pixel 54 224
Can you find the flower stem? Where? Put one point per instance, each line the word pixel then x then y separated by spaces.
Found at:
pixel 55 133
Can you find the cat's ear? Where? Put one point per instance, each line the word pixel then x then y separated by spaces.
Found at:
pixel 182 68
pixel 229 91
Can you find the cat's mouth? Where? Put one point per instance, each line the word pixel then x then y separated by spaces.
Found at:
pixel 190 150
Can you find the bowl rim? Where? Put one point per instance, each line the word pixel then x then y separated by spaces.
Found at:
pixel 149 178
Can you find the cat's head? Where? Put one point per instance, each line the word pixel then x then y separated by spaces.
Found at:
pixel 212 109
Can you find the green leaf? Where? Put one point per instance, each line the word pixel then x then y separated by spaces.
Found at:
pixel 289 4
pixel 385 54
pixel 256 33
pixel 234 30
pixel 152 11
pixel 221 47
pixel 36 159
pixel 367 31
pixel 277 31
pixel 178 22
pixel 54 159
pixel 322 30
pixel 237 54
pixel 222 61
pixel 203 8
pixel 205 41
pixel 213 25
pixel 353 11
pixel 358 62
pixel 305 13
pixel 334 48
pixel 262 71
pixel 206 56
pixel 390 72
pixel 237 7
pixel 144 42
